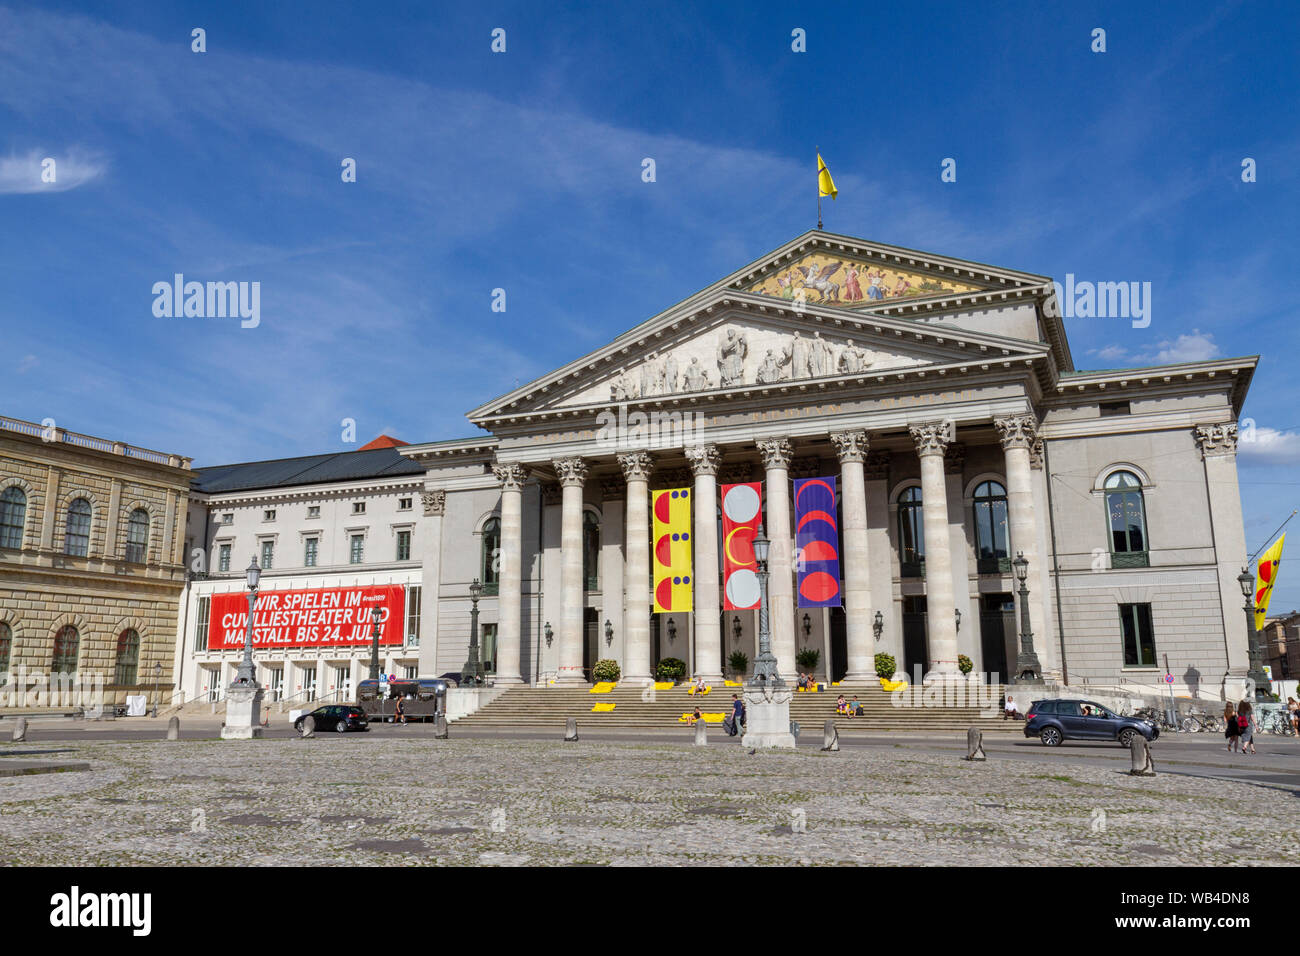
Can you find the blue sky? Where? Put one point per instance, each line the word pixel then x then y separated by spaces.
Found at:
pixel 522 171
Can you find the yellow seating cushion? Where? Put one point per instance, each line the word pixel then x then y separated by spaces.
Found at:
pixel 732 683
pixel 603 708
pixel 707 718
pixel 707 688
pixel 604 687
pixel 892 685
pixel 664 685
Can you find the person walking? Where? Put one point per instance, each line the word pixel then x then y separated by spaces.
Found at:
pixel 1246 725
pixel 1231 731
pixel 399 715
pixel 737 714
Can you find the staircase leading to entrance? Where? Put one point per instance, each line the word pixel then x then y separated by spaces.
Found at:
pixel 549 707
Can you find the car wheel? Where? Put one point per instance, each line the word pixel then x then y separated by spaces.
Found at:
pixel 341 726
pixel 1051 737
pixel 1126 737
pixel 297 725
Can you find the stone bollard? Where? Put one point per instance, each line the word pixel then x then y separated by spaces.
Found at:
pixel 440 727
pixel 174 729
pixel 975 744
pixel 701 734
pixel 830 737
pixel 309 726
pixel 1140 751
pixel 571 730
pixel 20 730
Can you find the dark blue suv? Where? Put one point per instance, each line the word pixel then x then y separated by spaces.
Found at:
pixel 1052 721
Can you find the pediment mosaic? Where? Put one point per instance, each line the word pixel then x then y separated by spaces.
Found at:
pixel 823 279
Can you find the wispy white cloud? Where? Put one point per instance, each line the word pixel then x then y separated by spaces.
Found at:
pixel 1269 446
pixel 1194 346
pixel 26 363
pixel 42 172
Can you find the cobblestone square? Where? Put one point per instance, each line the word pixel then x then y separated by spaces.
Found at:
pixel 370 801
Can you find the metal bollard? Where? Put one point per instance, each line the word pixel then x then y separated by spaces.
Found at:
pixel 571 730
pixel 174 729
pixel 701 734
pixel 830 737
pixel 975 744
pixel 20 730
pixel 309 726
pixel 1140 751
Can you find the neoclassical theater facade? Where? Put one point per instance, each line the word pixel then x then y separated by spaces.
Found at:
pixel 941 396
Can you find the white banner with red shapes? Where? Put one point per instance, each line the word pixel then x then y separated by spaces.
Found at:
pixel 742 512
pixel 308 617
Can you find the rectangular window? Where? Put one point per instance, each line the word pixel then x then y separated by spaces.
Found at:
pixel 213 677
pixel 277 682
pixel 488 648
pixel 1114 408
pixel 1139 639
pixel 268 514
pixel 358 507
pixel 201 626
pixel 409 672
pixel 313 511
pixel 403 504
pixel 403 546
pixel 223 558
pixel 228 518
pixel 268 555
pixel 309 553
pixel 357 549
pixel 413 598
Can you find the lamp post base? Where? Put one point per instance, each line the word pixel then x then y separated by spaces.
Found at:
pixel 243 712
pixel 767 716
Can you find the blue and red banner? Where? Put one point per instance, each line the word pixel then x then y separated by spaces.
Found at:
pixel 817 542
pixel 742 512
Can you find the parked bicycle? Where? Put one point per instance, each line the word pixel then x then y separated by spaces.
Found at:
pixel 1195 723
pixel 1276 722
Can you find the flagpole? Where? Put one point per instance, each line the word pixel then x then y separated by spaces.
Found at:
pixel 1269 539
pixel 819 187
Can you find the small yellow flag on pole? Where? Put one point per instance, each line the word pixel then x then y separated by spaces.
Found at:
pixel 1265 577
pixel 825 186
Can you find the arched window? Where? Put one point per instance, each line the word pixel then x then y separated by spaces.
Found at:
pixel 76 537
pixel 1126 512
pixel 13 514
pixel 911 533
pixel 137 536
pixel 128 658
pixel 66 644
pixel 590 551
pixel 991 546
pixel 6 648
pixel 490 559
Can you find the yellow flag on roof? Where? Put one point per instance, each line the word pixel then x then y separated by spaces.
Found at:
pixel 825 185
pixel 1265 576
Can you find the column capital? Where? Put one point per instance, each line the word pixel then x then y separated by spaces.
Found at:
pixel 511 475
pixel 1019 431
pixel 1036 454
pixel 851 446
pixel 703 459
pixel 932 438
pixel 1217 440
pixel 572 472
pixel 776 452
pixel 435 502
pixel 636 465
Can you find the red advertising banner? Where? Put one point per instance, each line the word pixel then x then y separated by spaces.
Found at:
pixel 309 617
pixel 742 512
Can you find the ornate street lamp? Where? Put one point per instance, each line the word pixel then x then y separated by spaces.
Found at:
pixel 765 666
pixel 957 613
pixel 736 629
pixel 246 674
pixel 609 633
pixel 472 673
pixel 375 616
pixel 1028 670
pixel 672 630
pixel 878 625
pixel 549 632
pixel 1256 672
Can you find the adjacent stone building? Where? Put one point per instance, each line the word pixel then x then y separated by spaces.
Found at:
pixel 91 561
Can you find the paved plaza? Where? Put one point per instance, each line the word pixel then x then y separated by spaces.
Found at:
pixel 382 800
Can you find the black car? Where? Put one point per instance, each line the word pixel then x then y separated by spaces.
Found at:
pixel 339 717
pixel 1053 721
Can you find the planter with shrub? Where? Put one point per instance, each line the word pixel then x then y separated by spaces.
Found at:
pixel 885 666
pixel 807 659
pixel 606 670
pixel 739 664
pixel 965 664
pixel 671 668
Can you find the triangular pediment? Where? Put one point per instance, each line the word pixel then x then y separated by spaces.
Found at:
pixel 835 278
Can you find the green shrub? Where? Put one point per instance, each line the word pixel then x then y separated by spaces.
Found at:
pixel 808 658
pixel 739 663
pixel 965 664
pixel 885 666
pixel 607 670
pixel 671 668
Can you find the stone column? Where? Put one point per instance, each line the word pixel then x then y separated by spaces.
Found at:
pixel 1017 436
pixel 434 501
pixel 510 587
pixel 572 473
pixel 932 440
pixel 637 467
pixel 50 512
pixel 111 524
pixel 852 449
pixel 704 461
pixel 1218 444
pixel 776 459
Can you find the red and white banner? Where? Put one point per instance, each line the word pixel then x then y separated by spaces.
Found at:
pixel 742 512
pixel 309 617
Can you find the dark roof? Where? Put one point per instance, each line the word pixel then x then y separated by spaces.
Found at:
pixel 312 470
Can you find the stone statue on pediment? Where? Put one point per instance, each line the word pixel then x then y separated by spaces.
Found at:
pixel 797 354
pixel 650 376
pixel 695 378
pixel 853 359
pixel 622 389
pixel 819 356
pixel 670 373
pixel 731 358
pixel 770 370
